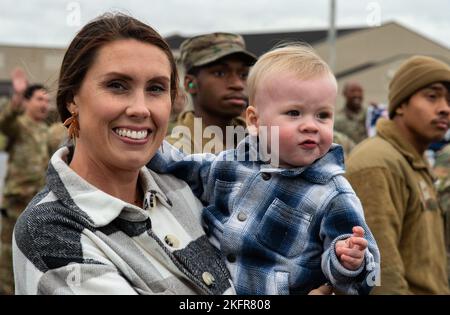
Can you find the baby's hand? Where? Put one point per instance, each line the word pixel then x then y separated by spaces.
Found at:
pixel 350 251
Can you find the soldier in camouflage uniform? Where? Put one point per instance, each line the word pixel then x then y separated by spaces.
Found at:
pixel 442 173
pixel 28 159
pixel 57 137
pixel 3 139
pixel 216 67
pixel 351 120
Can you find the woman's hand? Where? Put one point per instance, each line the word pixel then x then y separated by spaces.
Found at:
pixel 324 289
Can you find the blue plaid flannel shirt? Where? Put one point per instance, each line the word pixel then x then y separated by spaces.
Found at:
pixel 276 228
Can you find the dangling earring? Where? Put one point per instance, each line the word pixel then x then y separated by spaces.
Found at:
pixel 73 126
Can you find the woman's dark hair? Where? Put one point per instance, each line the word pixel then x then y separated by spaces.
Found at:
pixel 83 49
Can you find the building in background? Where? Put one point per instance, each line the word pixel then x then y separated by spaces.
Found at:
pixel 40 64
pixel 369 55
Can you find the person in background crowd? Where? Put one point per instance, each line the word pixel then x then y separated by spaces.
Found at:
pixel 178 107
pixel 442 172
pixel 23 122
pixel 344 141
pixel 392 178
pixel 216 67
pixel 351 119
pixel 374 112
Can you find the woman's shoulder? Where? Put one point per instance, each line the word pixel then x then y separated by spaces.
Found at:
pixel 46 208
pixel 47 230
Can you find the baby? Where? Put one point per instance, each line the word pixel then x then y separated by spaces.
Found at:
pixel 281 212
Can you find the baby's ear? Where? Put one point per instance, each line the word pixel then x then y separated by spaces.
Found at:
pixel 252 120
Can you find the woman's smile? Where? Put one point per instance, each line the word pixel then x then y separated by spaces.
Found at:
pixel 132 135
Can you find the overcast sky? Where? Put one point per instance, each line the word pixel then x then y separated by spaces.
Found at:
pixel 55 22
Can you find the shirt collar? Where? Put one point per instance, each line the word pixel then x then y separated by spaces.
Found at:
pixel 100 207
pixel 388 130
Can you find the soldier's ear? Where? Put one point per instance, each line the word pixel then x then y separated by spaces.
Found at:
pixel 399 110
pixel 190 84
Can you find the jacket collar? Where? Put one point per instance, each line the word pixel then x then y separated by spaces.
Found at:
pixel 320 172
pixel 101 208
pixel 388 130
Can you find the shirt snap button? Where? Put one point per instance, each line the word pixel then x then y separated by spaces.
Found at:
pixel 208 278
pixel 172 241
pixel 231 258
pixel 242 216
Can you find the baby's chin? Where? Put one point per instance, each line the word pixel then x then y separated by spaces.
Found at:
pixel 291 164
pixel 300 162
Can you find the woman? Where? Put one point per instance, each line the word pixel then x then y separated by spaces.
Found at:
pixel 104 224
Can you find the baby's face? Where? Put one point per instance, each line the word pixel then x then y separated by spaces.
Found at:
pixel 303 110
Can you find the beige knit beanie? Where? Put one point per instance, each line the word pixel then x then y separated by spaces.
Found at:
pixel 415 73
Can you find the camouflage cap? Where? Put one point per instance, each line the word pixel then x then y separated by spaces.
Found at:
pixel 204 49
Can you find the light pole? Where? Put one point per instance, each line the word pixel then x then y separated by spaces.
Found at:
pixel 332 36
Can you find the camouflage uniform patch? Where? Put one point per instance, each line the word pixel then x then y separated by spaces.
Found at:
pixel 192 139
pixel 442 172
pixel 346 143
pixel 353 126
pixel 28 159
pixel 57 136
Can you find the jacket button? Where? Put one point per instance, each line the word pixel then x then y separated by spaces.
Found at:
pixel 208 278
pixel 266 176
pixel 172 241
pixel 231 258
pixel 242 216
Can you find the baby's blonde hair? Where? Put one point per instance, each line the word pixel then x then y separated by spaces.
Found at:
pixel 296 58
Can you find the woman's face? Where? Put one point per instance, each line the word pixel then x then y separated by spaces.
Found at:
pixel 123 105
